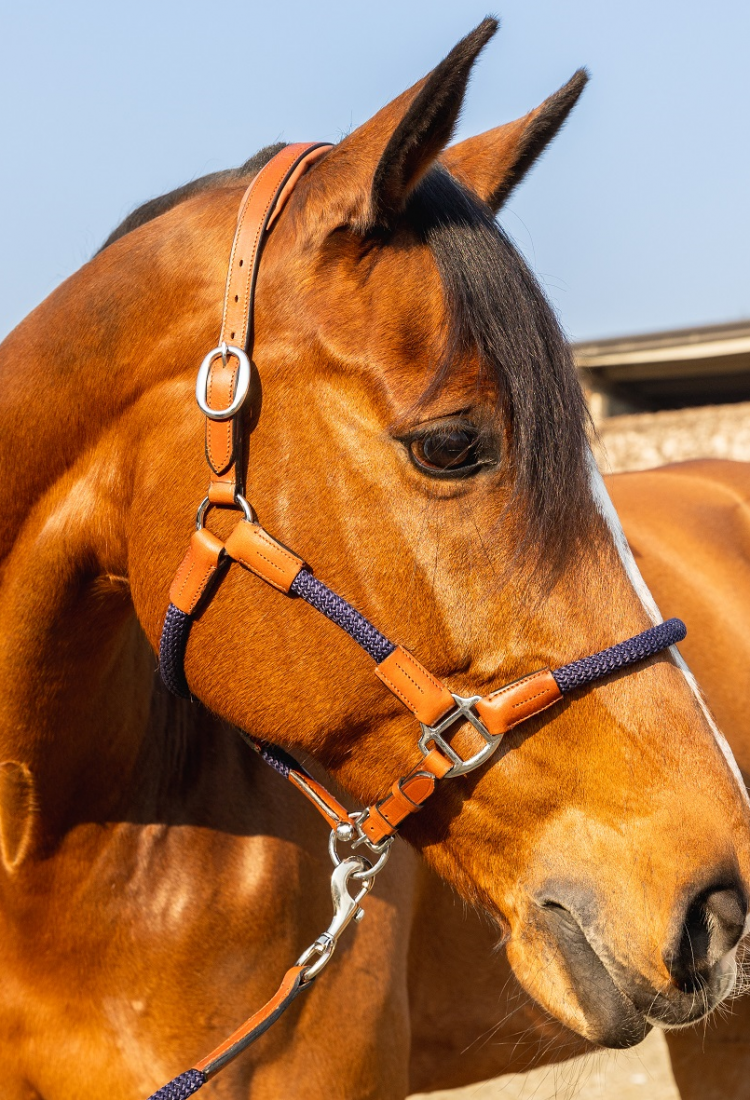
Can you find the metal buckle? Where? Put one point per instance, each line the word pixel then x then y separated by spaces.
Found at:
pixel 243 382
pixel 464 711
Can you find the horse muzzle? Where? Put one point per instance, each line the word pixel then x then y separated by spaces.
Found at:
pixel 620 1004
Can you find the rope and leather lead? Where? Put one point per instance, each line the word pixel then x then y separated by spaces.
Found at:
pixel 221 390
pixel 179 1088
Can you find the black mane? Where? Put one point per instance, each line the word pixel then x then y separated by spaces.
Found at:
pixel 497 306
pixel 154 207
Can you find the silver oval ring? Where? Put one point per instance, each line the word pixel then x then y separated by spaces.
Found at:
pixel 369 870
pixel 243 382
pixel 205 504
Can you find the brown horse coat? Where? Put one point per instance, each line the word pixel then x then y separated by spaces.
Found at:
pixel 155 881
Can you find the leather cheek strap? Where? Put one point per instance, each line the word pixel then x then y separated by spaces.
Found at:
pixel 194 579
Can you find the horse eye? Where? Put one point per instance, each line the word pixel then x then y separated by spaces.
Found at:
pixel 447 451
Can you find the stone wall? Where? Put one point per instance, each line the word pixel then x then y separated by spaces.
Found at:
pixel 642 440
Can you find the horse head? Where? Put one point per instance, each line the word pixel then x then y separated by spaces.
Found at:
pixel 417 434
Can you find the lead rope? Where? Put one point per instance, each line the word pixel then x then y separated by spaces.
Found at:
pixel 224 378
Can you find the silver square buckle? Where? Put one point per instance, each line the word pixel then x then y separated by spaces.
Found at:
pixel 464 711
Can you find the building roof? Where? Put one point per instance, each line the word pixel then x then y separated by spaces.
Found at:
pixel 663 370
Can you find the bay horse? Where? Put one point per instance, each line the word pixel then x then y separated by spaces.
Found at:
pixel 417 432
pixel 689 528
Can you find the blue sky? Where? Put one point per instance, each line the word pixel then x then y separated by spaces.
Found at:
pixel 638 218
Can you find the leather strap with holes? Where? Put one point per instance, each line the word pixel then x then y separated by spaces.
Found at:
pixel 261 204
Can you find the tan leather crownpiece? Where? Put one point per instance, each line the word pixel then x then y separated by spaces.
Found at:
pixel 255 210
pixel 424 695
pixel 261 203
pixel 504 709
pixel 220 434
pixel 253 547
pixel 197 570
pixel 286 190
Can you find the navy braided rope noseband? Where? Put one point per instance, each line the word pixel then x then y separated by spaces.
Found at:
pixel 570 677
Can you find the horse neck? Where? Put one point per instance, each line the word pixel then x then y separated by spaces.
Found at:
pixel 76 673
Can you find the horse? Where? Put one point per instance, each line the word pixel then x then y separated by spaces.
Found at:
pixel 417 432
pixel 688 527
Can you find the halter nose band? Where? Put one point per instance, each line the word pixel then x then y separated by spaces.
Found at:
pixel 587 670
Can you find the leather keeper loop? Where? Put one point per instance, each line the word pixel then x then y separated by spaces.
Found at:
pixel 197 571
pixel 253 547
pixel 408 794
pixel 425 696
pixel 435 763
pixel 223 492
pixel 502 710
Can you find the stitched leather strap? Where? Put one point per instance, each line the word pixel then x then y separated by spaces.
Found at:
pixel 261 204
pixel 503 709
pixel 292 984
pixel 180 1088
pixel 252 546
pixel 197 573
pixel 323 801
pixel 425 696
pixel 408 795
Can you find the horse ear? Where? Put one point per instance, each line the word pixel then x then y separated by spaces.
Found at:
pixel 370 174
pixel 493 163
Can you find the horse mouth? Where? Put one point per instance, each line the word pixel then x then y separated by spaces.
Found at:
pixel 612 1018
pixel 621 1007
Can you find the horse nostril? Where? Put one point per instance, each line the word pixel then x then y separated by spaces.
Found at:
pixel 726 911
pixel 714 923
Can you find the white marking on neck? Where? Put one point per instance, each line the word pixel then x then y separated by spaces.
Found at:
pixel 607 510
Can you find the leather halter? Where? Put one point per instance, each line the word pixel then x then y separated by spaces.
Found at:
pixel 221 392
